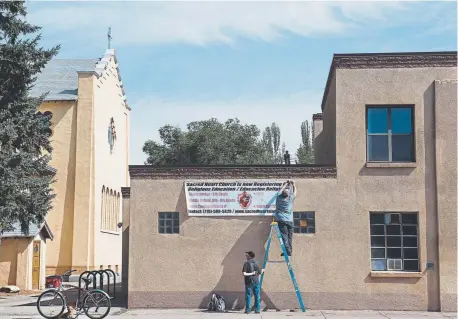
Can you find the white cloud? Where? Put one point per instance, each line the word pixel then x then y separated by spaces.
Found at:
pixel 288 112
pixel 201 23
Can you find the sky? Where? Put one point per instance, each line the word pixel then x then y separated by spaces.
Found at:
pixel 260 62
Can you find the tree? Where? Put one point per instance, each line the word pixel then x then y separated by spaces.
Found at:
pixel 207 142
pixel 304 153
pixel 25 185
pixel 271 138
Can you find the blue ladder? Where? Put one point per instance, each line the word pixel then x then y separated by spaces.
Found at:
pixel 290 268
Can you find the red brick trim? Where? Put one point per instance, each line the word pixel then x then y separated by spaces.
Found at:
pixel 231 172
pixel 125 191
pixel 317 116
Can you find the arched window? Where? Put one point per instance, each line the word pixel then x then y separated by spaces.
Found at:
pixel 102 209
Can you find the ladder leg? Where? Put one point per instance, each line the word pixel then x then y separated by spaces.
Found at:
pixel 290 268
pixel 266 256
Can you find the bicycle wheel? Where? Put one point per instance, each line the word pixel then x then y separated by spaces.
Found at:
pixel 51 304
pixel 96 304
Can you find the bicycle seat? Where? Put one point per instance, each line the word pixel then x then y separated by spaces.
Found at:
pixel 87 281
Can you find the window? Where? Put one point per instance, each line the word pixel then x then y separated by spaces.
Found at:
pixel 169 223
pixel 304 222
pixel 390 135
pixel 394 242
pixel 109 210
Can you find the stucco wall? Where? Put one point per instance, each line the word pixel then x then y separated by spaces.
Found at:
pixel 110 169
pixel 325 151
pixel 8 261
pixel 60 218
pixel 446 169
pixel 384 188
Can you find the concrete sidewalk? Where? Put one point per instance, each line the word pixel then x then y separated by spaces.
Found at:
pixel 30 312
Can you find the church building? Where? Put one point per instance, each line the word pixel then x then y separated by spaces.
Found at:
pixel 90 140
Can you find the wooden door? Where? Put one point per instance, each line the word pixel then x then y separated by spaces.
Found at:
pixel 36 265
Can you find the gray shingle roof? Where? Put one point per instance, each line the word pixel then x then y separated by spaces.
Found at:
pixel 60 78
pixel 33 231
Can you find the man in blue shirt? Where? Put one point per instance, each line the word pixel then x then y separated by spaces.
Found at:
pixel 284 214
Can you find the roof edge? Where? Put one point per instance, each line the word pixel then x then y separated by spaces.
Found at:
pixel 388 60
pixel 182 172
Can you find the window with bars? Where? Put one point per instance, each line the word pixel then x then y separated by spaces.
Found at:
pixel 304 222
pixel 169 223
pixel 390 136
pixel 394 242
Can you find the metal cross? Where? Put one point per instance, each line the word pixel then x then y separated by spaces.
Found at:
pixel 109 37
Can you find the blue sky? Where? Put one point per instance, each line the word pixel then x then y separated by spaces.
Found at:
pixel 262 62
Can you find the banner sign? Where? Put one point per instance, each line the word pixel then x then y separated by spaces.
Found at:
pixel 231 198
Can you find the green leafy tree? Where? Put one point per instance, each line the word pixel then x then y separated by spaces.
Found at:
pixel 207 142
pixel 25 185
pixel 271 141
pixel 304 153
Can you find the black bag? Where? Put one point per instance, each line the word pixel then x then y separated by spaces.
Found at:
pixel 217 304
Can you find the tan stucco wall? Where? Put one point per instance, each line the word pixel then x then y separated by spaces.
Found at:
pixel 16 262
pixel 110 169
pixel 125 244
pixel 60 218
pixel 332 267
pixel 325 143
pixel 446 169
pixel 8 261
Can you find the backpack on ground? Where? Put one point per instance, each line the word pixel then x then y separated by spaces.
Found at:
pixel 217 303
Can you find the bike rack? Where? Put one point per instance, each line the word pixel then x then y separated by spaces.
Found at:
pixel 101 274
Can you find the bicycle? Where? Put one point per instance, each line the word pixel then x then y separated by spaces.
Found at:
pixel 86 300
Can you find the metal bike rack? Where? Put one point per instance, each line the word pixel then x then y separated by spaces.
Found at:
pixel 101 274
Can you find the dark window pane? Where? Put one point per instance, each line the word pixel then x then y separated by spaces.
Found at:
pixel 401 120
pixel 296 222
pixel 393 241
pixel 296 215
pixel 311 221
pixel 378 252
pixel 393 253
pixel 161 222
pixel 168 230
pixel 161 215
pixel 393 229
pixel 409 241
pixel 402 148
pixel 303 230
pixel 297 229
pixel 411 265
pixel 410 253
pixel 409 219
pixel 311 230
pixel 176 215
pixel 377 230
pixel 378 264
pixel 175 223
pixel 378 147
pixel 168 222
pixel 377 218
pixel 304 215
pixel 393 219
pixel 168 215
pixel 176 230
pixel 378 241
pixel 311 215
pixel 377 120
pixel 161 230
pixel 409 230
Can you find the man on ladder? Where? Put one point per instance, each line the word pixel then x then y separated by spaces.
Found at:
pixel 284 214
pixel 283 225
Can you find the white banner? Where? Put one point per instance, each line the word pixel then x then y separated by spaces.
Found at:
pixel 231 198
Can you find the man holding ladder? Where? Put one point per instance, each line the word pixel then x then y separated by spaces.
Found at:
pixel 284 213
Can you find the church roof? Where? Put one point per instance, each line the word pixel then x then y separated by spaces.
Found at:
pixel 33 231
pixel 60 77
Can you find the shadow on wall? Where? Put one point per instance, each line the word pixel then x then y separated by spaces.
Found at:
pixel 385 171
pixel 231 284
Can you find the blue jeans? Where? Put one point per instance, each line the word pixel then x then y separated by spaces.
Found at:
pixel 249 290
